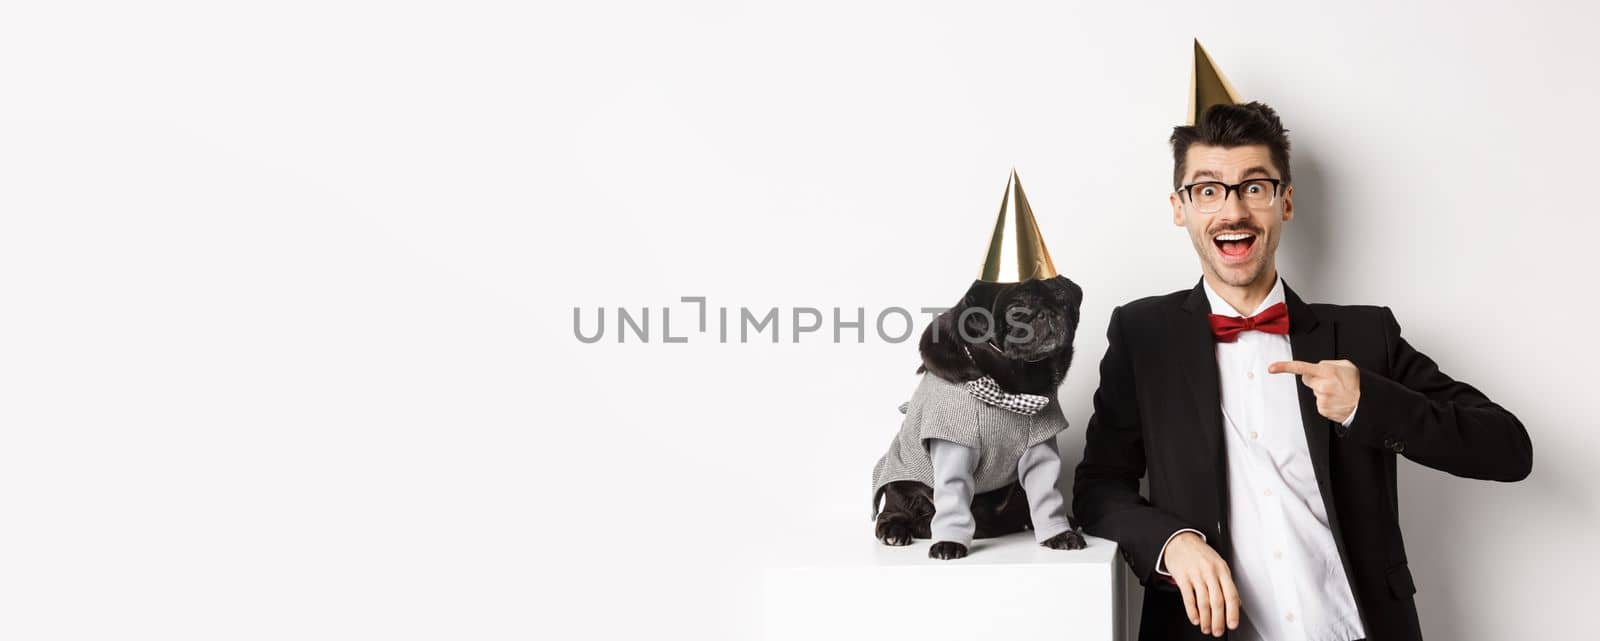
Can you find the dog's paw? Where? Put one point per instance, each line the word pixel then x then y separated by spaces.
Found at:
pixel 946 550
pixel 894 531
pixel 1068 540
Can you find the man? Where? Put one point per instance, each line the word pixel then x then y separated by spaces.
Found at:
pixel 1268 427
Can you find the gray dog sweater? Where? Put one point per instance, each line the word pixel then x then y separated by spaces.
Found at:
pixel 940 409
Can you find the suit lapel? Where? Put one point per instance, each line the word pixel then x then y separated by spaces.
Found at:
pixel 1313 340
pixel 1196 351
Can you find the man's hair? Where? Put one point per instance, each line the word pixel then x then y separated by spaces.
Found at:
pixel 1230 126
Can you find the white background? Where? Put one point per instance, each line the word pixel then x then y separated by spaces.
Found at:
pixel 286 289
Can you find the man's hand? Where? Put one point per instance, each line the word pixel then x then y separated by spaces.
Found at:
pixel 1207 586
pixel 1336 383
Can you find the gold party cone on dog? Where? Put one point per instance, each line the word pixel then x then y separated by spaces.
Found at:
pixel 1207 86
pixel 1016 249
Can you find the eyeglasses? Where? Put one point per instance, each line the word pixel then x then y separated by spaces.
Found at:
pixel 1256 193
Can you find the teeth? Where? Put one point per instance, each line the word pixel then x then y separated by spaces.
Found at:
pixel 1233 236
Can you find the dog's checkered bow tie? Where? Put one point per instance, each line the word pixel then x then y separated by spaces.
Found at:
pixel 988 391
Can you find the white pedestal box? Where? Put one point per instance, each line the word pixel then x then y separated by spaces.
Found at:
pixel 842 584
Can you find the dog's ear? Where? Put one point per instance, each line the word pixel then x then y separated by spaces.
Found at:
pixel 943 350
pixel 1065 292
pixel 1070 296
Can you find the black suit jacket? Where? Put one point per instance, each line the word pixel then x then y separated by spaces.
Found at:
pixel 1158 412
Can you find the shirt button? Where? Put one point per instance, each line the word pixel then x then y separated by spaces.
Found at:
pixel 1277 554
pixel 1255 436
pixel 1267 493
pixel 1250 375
pixel 1289 617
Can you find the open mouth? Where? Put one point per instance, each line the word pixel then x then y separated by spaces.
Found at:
pixel 1234 246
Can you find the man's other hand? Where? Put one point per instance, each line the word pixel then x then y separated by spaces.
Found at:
pixel 1205 581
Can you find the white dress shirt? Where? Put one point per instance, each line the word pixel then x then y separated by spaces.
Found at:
pixel 1285 562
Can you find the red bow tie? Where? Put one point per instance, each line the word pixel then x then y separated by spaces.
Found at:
pixel 1272 320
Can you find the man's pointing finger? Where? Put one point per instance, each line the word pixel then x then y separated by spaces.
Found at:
pixel 1293 367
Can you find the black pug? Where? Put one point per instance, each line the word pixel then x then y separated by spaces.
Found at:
pixel 1019 336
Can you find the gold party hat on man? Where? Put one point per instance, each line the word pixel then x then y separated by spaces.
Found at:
pixel 1207 86
pixel 1016 249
